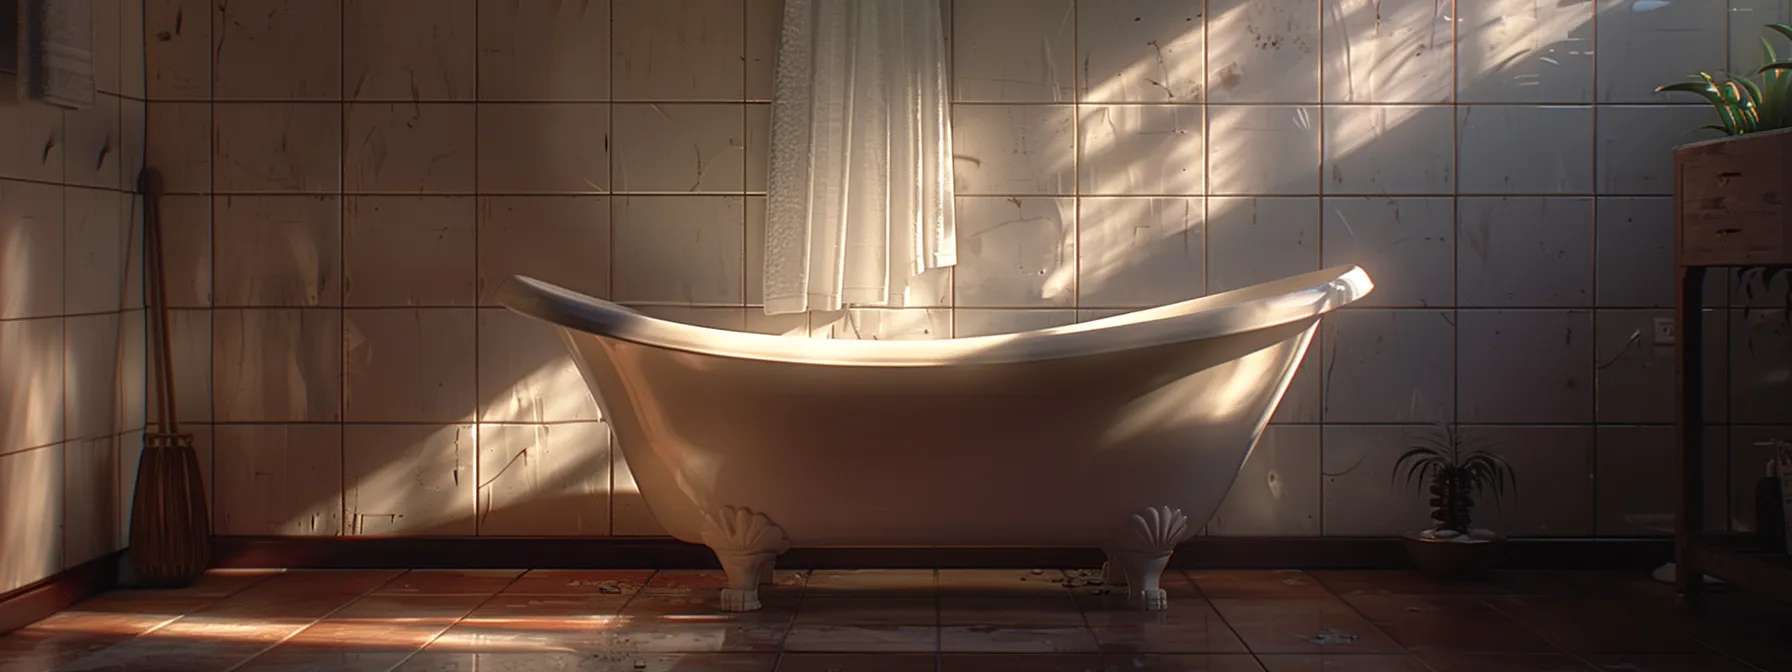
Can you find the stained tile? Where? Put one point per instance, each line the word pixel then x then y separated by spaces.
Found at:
pixel 1359 494
pixel 623 582
pixel 1257 584
pixel 683 249
pixel 1636 145
pixel 1518 51
pixel 1341 663
pixel 277 49
pixel 682 50
pixel 564 240
pixel 969 584
pixel 97 251
pixel 30 488
pixel 1406 244
pixel 1302 626
pixel 914 581
pixel 1532 366
pixel 1640 50
pixel 411 49
pixel 409 480
pixel 1140 150
pixel 1580 625
pixel 826 609
pixel 544 480
pixel 177 46
pixel 277 365
pixel 451 582
pixel 1391 149
pixel 679 148
pixel 411 148
pixel 179 135
pixel 409 365
pixel 1350 583
pixel 526 373
pixel 1277 492
pixel 1016 639
pixel 1453 623
pixel 1524 252
pixel 862 638
pixel 547 611
pixel 31 232
pixel 1015 253
pixel 955 609
pixel 277 480
pixel 1557 159
pixel 92 156
pixel 1385 51
pixel 522 46
pixel 409 251
pixel 857 662
pixel 1388 366
pixel 253 148
pixel 277 251
pixel 1014 149
pixel 543 148
pixel 990 662
pixel 1188 626
pixel 1256 150
pixel 971 322
pixel 1139 252
pixel 1263 52
pixel 1501 662
pixel 1014 51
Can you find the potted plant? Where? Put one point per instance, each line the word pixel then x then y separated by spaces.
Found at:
pixel 1729 193
pixel 1454 473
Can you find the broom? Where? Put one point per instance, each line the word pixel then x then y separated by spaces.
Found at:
pixel 170 524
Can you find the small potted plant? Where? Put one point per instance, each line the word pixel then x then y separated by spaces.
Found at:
pixel 1453 474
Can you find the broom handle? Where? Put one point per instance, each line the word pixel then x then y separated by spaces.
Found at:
pixel 151 182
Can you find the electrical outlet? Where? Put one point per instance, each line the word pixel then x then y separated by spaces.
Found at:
pixel 1664 331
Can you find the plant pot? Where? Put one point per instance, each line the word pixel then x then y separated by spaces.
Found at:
pixel 1455 558
pixel 1730 200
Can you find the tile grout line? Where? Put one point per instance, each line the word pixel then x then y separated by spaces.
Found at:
pixel 457 620
pixel 314 621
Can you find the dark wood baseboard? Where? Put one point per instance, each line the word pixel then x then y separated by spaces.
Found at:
pixel 35 602
pixel 663 553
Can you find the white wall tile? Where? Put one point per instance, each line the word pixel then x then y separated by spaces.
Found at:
pixel 1388 51
pixel 132 132
pixel 278 479
pixel 1635 375
pixel 408 148
pixel 1636 253
pixel 278 251
pixel 31 384
pixel 1526 366
pixel 1263 51
pixel 186 221
pixel 90 520
pixel 564 240
pixel 1360 496
pixel 1405 244
pixel 1141 149
pixel 1254 240
pixel 1140 252
pixel 277 49
pixel 526 373
pixel 409 365
pixel 1635 481
pixel 254 143
pixel 1278 490
pixel 1521 51
pixel 90 375
pixel 764 27
pixel 131 50
pixel 31 240
pixel 1016 51
pixel 1014 149
pixel 544 480
pixel 1139 51
pixel 91 157
pixel 1015 253
pixel 1260 151
pixel 1556 158
pixel 415 49
pixel 277 365
pixel 527 48
pixel 1643 44
pixel 1636 145
pixel 30 516
pixel 1553 468
pixel 409 251
pixel 1389 366
pixel 409 479
pixel 883 324
pixel 543 148
pixel 179 136
pixel 1748 23
pixel 1404 149
pixel 106 45
pixel 680 249
pixel 191 342
pixel 972 322
pixel 177 49
pixel 629 516
pixel 677 50
pixel 32 142
pixel 679 148
pixel 96 250
pixel 1524 252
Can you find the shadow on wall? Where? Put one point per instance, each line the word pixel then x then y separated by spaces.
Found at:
pixel 1401 162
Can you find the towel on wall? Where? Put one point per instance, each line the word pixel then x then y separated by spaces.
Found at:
pixel 55 56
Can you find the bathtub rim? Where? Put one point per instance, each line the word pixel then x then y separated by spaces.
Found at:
pixel 1260 306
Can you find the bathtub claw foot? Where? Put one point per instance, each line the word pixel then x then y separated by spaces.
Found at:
pixel 1142 550
pixel 747 543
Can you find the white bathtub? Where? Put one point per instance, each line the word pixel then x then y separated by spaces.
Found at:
pixel 1122 433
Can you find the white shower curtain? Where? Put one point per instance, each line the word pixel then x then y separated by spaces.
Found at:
pixel 859 196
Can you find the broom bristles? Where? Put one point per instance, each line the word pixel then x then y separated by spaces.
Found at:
pixel 170 527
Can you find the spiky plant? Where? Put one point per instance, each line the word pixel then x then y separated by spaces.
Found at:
pixel 1744 106
pixel 1456 471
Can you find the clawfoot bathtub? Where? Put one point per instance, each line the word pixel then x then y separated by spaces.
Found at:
pixel 1123 433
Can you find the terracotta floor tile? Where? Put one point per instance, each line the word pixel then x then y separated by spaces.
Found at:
pixel 698 637
pixel 673 581
pixel 527 636
pixel 825 609
pixel 1188 626
pixel 916 581
pixel 168 656
pixel 1501 662
pixel 1449 623
pixel 410 607
pixel 1016 639
pixel 706 607
pixel 1666 663
pixel 1314 626
pixel 857 662
pixel 1585 625
pixel 601 661
pixel 1005 611
pixel 1341 663
pixel 816 638
pixel 313 660
pixel 983 662
pixel 969 583
pixel 1257 584
pixel 451 581
pixel 367 635
pixel 27 650
pixel 254 605
pixel 1149 662
pixel 580 582
pixel 511 607
pixel 1402 582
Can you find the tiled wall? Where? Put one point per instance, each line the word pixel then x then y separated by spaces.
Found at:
pixel 357 176
pixel 71 312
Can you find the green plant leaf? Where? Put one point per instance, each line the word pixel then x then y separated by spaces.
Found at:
pixel 1782 29
pixel 1709 91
